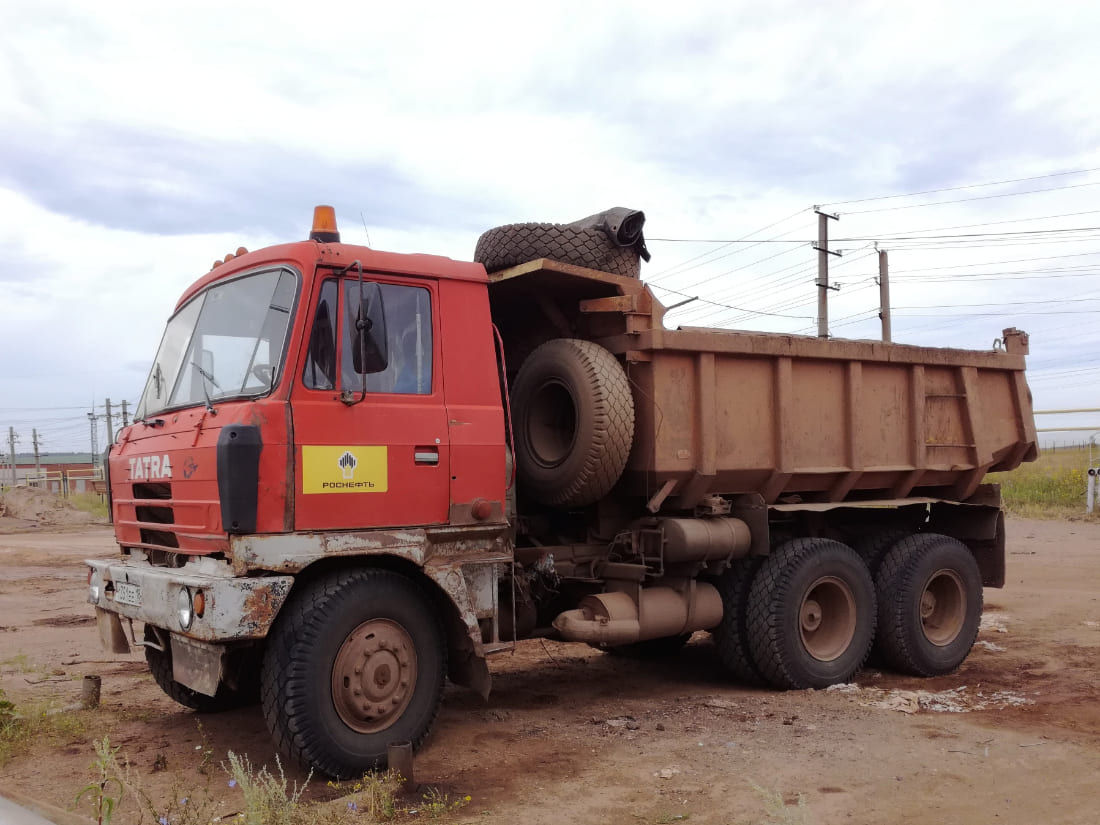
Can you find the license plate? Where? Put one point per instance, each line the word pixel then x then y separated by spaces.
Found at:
pixel 127 593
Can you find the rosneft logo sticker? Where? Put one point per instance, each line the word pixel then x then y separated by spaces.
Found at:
pixel 344 469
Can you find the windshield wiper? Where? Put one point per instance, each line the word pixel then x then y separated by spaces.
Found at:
pixel 206 377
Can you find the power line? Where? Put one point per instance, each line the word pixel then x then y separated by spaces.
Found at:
pixel 967 186
pixel 975 198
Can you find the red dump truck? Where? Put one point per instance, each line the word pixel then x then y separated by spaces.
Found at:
pixel 355 473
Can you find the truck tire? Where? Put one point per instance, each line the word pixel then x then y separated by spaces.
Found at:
pixel 160 665
pixel 731 638
pixel 574 422
pixel 811 614
pixel 930 605
pixel 355 661
pixel 874 547
pixel 517 243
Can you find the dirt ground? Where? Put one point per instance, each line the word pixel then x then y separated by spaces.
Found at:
pixel 573 735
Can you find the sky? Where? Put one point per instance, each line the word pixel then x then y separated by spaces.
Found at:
pixel 141 142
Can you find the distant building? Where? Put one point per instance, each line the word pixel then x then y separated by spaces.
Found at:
pixel 57 472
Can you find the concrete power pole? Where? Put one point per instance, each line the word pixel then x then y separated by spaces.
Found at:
pixel 95 438
pixel 884 294
pixel 37 460
pixel 823 253
pixel 110 425
pixel 11 445
pixel 125 419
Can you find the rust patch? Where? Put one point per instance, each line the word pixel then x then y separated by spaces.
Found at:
pixel 261 605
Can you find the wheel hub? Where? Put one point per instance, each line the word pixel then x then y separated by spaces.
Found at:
pixel 827 618
pixel 374 675
pixel 943 607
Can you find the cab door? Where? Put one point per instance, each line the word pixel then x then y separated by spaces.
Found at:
pixel 370 429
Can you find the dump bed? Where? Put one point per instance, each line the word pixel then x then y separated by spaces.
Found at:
pixel 793 418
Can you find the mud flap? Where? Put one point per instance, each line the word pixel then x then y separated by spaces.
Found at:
pixel 111 634
pixel 197 665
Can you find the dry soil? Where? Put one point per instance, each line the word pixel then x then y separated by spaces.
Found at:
pixel 574 735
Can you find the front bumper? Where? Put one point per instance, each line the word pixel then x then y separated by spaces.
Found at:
pixel 236 609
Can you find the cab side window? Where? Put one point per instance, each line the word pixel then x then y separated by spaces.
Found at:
pixel 408 313
pixel 320 368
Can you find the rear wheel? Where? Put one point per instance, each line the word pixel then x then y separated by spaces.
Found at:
pixel 731 637
pixel 874 547
pixel 930 605
pixel 811 614
pixel 355 661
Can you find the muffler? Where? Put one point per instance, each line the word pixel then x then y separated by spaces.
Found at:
pixel 615 619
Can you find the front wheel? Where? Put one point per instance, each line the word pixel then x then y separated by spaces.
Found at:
pixel 811 614
pixel 226 698
pixel 355 661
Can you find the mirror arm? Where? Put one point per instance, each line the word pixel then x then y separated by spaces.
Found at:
pixel 347 396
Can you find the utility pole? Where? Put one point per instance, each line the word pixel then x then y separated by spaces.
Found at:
pixel 823 253
pixel 37 460
pixel 110 425
pixel 11 445
pixel 884 294
pixel 125 419
pixel 95 437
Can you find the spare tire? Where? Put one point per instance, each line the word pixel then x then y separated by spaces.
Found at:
pixel 517 243
pixel 574 422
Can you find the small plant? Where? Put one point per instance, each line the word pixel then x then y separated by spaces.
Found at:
pixel 267 800
pixel 375 795
pixel 437 804
pixel 778 812
pixel 99 792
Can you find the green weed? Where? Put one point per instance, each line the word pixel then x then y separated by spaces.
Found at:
pixel 778 812
pixel 436 804
pixel 104 793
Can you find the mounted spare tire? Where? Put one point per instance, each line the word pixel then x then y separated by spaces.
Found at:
pixel 517 243
pixel 574 422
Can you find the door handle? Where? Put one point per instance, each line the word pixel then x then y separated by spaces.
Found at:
pixel 426 456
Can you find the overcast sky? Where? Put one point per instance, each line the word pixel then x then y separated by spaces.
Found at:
pixel 142 141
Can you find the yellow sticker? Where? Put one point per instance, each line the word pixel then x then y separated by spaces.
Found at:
pixel 344 469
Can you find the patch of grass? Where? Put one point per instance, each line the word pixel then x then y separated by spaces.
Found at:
pixel 90 503
pixel 20 663
pixel 259 796
pixel 778 812
pixel 20 728
pixel 1054 486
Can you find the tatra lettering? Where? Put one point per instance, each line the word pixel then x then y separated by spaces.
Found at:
pixel 150 466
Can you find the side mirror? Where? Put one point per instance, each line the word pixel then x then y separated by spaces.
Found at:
pixel 368 337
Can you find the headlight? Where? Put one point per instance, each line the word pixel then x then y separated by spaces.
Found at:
pixel 185 611
pixel 95 585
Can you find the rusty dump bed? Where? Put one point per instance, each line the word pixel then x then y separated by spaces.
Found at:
pixel 793 418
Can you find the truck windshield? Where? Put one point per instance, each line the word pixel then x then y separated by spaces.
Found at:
pixel 226 342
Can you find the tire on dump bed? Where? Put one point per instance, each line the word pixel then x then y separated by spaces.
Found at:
pixel 517 243
pixel 574 422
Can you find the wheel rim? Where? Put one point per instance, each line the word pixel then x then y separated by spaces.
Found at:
pixel 827 618
pixel 943 607
pixel 551 424
pixel 374 675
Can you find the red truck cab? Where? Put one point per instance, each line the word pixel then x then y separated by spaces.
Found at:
pixel 254 419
